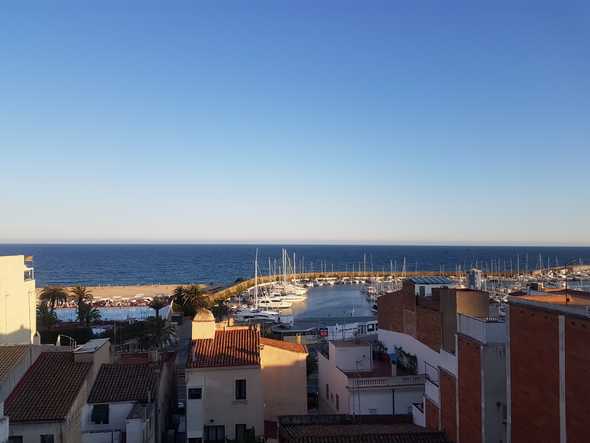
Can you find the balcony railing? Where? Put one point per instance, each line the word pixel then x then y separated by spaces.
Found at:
pixel 383 382
pixel 431 373
pixel 482 329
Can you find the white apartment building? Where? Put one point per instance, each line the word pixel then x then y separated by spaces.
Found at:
pixel 18 301
pixel 356 381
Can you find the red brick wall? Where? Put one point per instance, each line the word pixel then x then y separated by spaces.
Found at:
pixel 534 369
pixel 428 327
pixel 409 322
pixel 389 313
pixel 448 404
pixel 469 379
pixel 431 415
pixel 577 384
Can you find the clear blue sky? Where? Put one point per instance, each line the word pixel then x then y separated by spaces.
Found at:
pixel 307 121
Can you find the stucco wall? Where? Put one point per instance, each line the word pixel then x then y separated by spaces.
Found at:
pixel 218 405
pixel 284 380
pixel 18 321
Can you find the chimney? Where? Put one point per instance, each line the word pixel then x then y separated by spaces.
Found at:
pixel 203 326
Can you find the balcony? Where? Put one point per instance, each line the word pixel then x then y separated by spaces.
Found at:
pixel 431 387
pixel 386 382
pixel 483 329
pixel 418 415
pixel 29 274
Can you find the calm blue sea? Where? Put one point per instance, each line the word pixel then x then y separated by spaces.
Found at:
pixel 222 264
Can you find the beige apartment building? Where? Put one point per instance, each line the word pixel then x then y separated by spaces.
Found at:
pixel 18 301
pixel 239 383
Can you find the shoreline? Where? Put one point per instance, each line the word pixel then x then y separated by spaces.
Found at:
pixel 120 292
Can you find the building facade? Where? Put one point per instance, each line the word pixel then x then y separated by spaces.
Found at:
pixel 356 380
pixel 422 324
pixel 18 300
pixel 237 382
pixel 548 360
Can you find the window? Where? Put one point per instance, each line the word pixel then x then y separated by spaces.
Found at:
pixel 422 291
pixel 15 439
pixel 327 391
pixel 100 414
pixel 195 393
pixel 240 433
pixel 214 433
pixel 46 438
pixel 241 389
pixel 337 402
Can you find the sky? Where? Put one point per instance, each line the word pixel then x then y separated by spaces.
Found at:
pixel 296 122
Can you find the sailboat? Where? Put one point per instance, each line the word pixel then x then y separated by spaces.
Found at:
pixel 255 313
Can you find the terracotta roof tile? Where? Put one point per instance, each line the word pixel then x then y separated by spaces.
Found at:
pixel 124 382
pixel 231 347
pixel 281 344
pixel 48 389
pixel 9 357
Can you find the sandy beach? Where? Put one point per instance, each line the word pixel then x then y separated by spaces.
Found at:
pixel 127 292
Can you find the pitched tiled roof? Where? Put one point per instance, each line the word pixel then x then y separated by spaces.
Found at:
pixel 421 437
pixel 360 429
pixel 287 346
pixel 124 382
pixel 9 357
pixel 231 347
pixel 48 389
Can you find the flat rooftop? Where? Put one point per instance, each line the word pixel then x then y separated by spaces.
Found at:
pixel 570 302
pixel 350 343
pixel 431 281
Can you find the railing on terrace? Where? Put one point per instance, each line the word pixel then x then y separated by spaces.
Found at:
pixel 378 382
pixel 431 373
pixel 482 329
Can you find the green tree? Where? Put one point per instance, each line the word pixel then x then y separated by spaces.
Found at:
pixel 158 332
pixel 157 304
pixel 87 314
pixel 46 318
pixel 54 296
pixel 83 298
pixel 189 299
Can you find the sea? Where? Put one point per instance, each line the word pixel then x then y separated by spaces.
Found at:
pixel 131 264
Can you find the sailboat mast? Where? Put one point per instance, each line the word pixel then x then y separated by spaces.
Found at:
pixel 256 279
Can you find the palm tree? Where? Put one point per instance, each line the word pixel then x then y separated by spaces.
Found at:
pixel 46 318
pixel 54 296
pixel 158 332
pixel 87 314
pixel 82 297
pixel 158 303
pixel 189 299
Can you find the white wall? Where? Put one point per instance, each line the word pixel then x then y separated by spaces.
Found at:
pixel 392 339
pixel 218 405
pixel 3 427
pixel 118 413
pixel 102 437
pixel 18 301
pixel 329 374
pixel 352 358
pixel 31 432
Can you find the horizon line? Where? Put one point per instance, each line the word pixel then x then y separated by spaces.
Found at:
pixel 292 243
